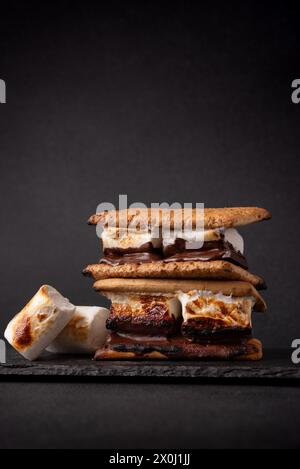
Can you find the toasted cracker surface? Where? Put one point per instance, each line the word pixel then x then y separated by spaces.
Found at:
pixel 213 217
pixel 217 270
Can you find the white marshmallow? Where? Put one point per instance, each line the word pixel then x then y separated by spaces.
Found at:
pixel 36 326
pixel 85 333
pixel 233 236
pixel 142 338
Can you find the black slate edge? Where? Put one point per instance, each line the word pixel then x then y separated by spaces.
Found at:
pixel 275 366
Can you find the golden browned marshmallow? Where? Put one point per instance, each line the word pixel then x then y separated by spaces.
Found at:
pixel 36 326
pixel 85 333
pixel 118 239
pixel 227 311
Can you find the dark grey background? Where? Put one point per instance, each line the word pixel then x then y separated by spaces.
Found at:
pixel 164 102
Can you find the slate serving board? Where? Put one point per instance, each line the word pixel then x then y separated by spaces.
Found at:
pixel 276 365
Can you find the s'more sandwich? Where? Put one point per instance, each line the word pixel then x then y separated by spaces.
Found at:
pixel 136 244
pixel 179 289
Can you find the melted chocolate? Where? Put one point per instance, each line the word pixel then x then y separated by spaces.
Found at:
pixel 131 258
pixel 176 252
pixel 210 251
pixel 142 254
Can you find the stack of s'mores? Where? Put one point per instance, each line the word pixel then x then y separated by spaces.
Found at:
pixel 184 292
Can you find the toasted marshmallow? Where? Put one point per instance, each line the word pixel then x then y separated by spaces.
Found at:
pixel 230 310
pixel 193 238
pixel 85 333
pixel 38 324
pixel 141 303
pixel 231 235
pixel 144 314
pixel 117 239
